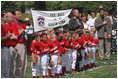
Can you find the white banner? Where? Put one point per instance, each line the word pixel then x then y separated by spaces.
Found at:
pixel 49 19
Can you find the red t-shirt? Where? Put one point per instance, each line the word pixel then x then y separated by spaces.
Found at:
pixel 53 45
pixel 74 43
pixel 81 42
pixel 35 47
pixel 66 43
pixel 4 30
pixel 61 47
pixel 43 46
pixel 95 41
pixel 16 28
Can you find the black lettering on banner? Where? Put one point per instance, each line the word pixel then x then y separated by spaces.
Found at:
pixel 61 14
pixel 56 23
pixel 58 14
pixel 52 15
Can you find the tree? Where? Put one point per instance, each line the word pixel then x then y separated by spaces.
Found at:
pixel 40 5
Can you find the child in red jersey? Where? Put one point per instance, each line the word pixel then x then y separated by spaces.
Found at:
pixel 82 42
pixel 88 49
pixel 36 56
pixel 93 50
pixel 68 54
pixel 75 47
pixel 53 45
pixel 62 51
pixel 45 54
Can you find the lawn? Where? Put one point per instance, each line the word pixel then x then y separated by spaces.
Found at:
pixel 106 69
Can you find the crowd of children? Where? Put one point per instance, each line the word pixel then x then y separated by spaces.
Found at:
pixel 60 53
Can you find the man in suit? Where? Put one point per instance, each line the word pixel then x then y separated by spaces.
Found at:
pixel 75 22
pixel 104 28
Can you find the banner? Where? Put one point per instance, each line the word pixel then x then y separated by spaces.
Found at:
pixel 49 19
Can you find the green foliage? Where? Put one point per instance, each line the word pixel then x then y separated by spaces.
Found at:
pixel 58 5
pixel 8 5
pixel 86 5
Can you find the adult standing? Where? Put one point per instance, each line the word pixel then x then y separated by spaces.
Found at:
pixel 20 47
pixel 5 52
pixel 104 28
pixel 74 22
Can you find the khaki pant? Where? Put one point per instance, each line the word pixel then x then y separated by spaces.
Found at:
pixel 104 48
pixel 13 54
pixel 21 61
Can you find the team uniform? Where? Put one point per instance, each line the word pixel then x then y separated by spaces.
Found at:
pixel 67 56
pixel 54 57
pixel 82 51
pixel 74 53
pixel 93 51
pixel 44 59
pixel 62 51
pixel 36 57
pixel 89 50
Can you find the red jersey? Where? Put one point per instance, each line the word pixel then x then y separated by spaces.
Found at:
pixel 74 43
pixel 66 43
pixel 52 45
pixel 61 47
pixel 95 41
pixel 4 30
pixel 35 47
pixel 81 42
pixel 90 40
pixel 44 46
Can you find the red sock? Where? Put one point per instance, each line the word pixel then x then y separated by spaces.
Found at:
pixel 34 76
pixel 73 70
pixel 43 76
pixel 50 72
pixel 37 76
pixel 63 70
pixel 46 77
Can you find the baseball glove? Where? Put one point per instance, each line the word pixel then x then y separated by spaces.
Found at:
pixel 59 60
pixel 34 58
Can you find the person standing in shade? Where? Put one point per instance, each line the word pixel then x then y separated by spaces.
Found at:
pixel 74 22
pixel 104 28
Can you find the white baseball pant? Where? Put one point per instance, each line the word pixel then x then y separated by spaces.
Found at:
pixel 36 67
pixel 68 60
pixel 54 59
pixel 93 49
pixel 44 64
pixel 82 63
pixel 74 58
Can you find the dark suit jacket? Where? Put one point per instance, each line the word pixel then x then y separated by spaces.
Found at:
pixel 73 25
pixel 102 28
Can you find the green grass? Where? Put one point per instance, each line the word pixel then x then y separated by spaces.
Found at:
pixel 108 70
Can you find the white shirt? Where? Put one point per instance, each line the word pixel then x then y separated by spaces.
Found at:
pixel 86 25
pixel 92 21
pixel 28 30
